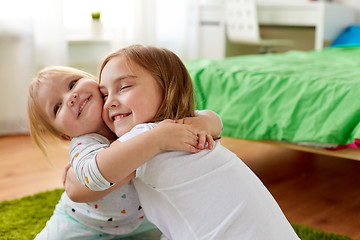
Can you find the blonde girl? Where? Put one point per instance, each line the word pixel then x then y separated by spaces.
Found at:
pixel 66 103
pixel 204 195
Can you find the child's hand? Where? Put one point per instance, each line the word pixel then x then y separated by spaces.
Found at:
pixel 205 138
pixel 176 137
pixel 65 171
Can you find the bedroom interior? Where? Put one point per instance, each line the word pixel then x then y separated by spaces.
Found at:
pixel 314 184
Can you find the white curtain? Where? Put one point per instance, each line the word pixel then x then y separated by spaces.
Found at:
pixel 172 24
pixel 33 34
pixel 30 37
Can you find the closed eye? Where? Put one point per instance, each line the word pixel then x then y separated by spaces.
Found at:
pixel 124 87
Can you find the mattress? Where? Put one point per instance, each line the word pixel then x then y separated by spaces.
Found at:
pixel 303 97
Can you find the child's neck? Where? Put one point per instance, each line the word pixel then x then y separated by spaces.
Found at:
pixel 108 134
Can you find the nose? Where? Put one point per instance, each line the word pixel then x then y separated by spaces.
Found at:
pixel 72 98
pixel 111 102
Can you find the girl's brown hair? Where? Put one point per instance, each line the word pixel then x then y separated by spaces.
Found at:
pixel 170 73
pixel 39 126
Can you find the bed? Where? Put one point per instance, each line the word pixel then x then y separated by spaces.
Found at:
pixel 305 100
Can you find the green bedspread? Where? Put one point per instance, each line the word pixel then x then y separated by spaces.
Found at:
pixel 295 96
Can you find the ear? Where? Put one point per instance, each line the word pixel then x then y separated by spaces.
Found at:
pixel 65 137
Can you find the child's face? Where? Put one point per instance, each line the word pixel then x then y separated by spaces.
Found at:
pixel 72 104
pixel 132 96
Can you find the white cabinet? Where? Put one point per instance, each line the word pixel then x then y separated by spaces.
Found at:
pixel 88 54
pixel 329 19
pixel 211 30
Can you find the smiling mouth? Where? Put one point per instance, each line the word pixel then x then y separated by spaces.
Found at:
pixel 83 105
pixel 119 116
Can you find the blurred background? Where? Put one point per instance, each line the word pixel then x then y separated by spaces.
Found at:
pixel 79 33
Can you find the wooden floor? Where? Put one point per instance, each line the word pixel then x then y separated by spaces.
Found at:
pixel 313 190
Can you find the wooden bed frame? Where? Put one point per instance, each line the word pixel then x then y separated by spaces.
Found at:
pixel 348 153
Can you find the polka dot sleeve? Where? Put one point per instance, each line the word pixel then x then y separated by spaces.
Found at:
pixel 83 151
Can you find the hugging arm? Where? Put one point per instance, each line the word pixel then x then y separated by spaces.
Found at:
pixel 118 162
pixel 77 192
pixel 93 160
pixel 205 124
pixel 122 158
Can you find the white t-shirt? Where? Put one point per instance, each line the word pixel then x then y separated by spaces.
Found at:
pixel 207 195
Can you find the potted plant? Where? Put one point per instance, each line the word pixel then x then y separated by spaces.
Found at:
pixel 96 15
pixel 96 24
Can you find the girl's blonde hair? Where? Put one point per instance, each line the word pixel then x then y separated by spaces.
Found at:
pixel 169 72
pixel 39 124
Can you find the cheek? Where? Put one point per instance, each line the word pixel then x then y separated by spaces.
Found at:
pixel 148 108
pixel 156 100
pixel 158 97
pixel 105 117
pixel 67 126
pixel 159 101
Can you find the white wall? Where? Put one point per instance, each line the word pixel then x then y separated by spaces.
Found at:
pixel 353 3
pixel 14 68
